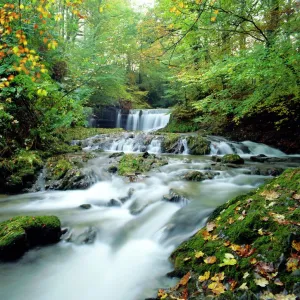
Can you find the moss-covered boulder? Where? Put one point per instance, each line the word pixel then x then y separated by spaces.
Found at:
pixel 170 143
pixel 20 171
pixel 232 159
pixel 249 249
pixel 194 176
pixel 132 164
pixel 198 145
pixel 66 172
pixel 19 234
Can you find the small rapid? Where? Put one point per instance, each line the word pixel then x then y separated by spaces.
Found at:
pixel 129 244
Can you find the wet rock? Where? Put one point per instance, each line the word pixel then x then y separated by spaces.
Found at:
pixel 82 236
pixel 146 155
pixel 85 206
pixel 174 197
pixel 194 176
pixel 117 154
pixel 232 159
pixel 19 234
pixel 259 158
pixel 114 202
pixel 216 158
pixel 198 145
pixel 129 194
pixel 112 169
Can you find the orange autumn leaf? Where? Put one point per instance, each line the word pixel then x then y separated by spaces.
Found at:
pixel 185 279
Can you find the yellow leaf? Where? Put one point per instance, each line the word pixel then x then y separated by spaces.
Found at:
pixel 229 260
pixel 204 277
pixel 210 260
pixel 213 19
pixel 218 277
pixel 15 49
pixel 210 226
pixel 292 264
pixel 199 254
pixel 270 195
pixel 101 9
pixel 246 275
pixel 181 4
pixel 296 245
pixel 21 6
pixel 261 282
pixel 243 286
pixel 217 288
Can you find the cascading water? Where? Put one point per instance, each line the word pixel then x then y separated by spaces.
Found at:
pixel 147 119
pixel 129 257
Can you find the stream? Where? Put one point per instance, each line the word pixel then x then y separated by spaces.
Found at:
pixel 120 252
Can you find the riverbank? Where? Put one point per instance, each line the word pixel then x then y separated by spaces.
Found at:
pixel 249 248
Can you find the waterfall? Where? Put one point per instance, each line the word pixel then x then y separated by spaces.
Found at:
pixel 119 116
pixel 147 119
pixel 185 147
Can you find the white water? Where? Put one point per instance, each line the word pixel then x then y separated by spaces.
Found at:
pixel 130 255
pixel 147 119
pixel 221 146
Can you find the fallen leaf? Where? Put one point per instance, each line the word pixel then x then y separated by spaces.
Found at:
pixel 253 261
pixel 186 259
pixel 231 221
pixel 185 279
pixel 260 231
pixel 296 196
pixel 241 218
pixel 246 275
pixel 265 219
pixel 210 226
pixel 278 282
pixel 210 260
pixel 261 282
pixel 206 235
pixel 243 286
pixel 204 277
pixel 296 245
pixel 226 244
pixel 235 247
pixel 270 195
pixel 199 254
pixel 233 284
pixel 162 294
pixel 229 260
pixel 292 264
pixel 218 277
pixel 217 288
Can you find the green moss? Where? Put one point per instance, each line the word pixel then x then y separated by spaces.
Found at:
pixel 131 164
pixel 232 158
pixel 169 142
pixel 266 221
pixel 21 233
pixel 198 145
pixel 81 133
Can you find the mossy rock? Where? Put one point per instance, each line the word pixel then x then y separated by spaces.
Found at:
pixel 131 164
pixel 259 232
pixel 19 234
pixel 198 145
pixel 194 176
pixel 170 142
pixel 232 159
pixel 20 171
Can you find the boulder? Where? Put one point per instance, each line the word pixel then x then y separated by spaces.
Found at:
pixel 174 197
pixel 117 154
pixel 85 206
pixel 198 145
pixel 232 159
pixel 194 176
pixel 19 234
